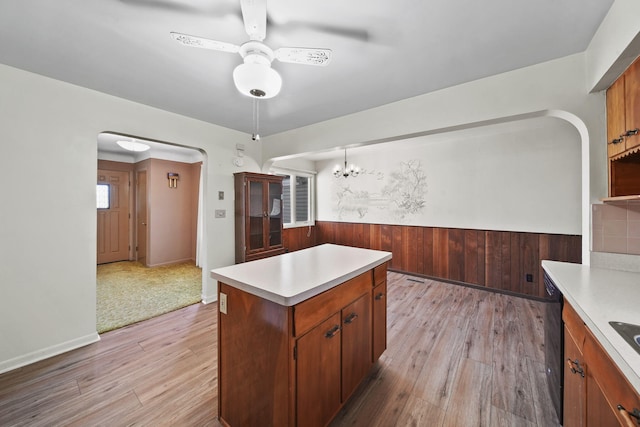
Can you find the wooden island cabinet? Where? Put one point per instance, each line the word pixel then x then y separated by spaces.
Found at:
pixel 297 333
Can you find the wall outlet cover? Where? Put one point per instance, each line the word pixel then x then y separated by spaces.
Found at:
pixel 223 303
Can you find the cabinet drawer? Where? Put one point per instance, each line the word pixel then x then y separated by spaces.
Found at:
pixel 574 325
pixel 309 313
pixel 613 384
pixel 380 274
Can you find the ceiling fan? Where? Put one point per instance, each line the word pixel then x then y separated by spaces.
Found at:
pixel 255 77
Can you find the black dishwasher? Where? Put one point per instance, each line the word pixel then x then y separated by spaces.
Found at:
pixel 554 343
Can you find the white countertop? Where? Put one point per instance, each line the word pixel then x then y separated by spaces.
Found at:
pixel 296 276
pixel 598 297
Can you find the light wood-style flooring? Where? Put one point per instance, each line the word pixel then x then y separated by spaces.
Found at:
pixel 456 356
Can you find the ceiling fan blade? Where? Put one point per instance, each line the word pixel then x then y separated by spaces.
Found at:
pixel 200 42
pixel 304 55
pixel 254 13
pixel 337 30
pixel 173 6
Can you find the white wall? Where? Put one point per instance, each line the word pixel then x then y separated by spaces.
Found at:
pixel 615 45
pixel 558 85
pixel 522 176
pixel 556 88
pixel 48 134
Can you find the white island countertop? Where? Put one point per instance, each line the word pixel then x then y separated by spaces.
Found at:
pixel 598 297
pixel 296 276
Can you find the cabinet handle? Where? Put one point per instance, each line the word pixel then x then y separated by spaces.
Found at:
pixel 332 332
pixel 626 415
pixel 350 318
pixel 618 140
pixel 379 296
pixel 632 132
pixel 574 366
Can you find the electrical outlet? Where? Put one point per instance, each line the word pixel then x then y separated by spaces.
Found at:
pixel 223 303
pixel 221 213
pixel 529 278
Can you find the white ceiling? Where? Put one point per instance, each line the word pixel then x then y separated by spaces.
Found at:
pixel 383 50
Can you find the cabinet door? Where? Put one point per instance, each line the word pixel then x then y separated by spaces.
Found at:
pixel 318 373
pixel 379 320
pixel 607 388
pixel 615 118
pixel 274 208
pixel 632 103
pixel 599 413
pixel 574 390
pixel 356 343
pixel 255 215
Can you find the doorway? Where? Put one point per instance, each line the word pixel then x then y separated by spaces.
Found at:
pixel 113 216
pixel 139 192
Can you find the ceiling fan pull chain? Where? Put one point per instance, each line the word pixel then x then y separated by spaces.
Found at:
pixel 256 120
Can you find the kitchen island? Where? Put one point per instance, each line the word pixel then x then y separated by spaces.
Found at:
pixel 297 333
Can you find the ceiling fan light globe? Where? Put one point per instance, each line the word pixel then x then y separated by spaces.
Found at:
pixel 253 79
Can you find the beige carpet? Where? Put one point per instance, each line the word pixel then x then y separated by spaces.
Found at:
pixel 128 292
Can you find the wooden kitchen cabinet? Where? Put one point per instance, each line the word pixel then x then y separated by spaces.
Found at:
pixel 297 365
pixel 623 133
pixel 574 372
pixel 331 361
pixel 616 124
pixel 632 105
pixel 379 311
pixel 607 389
pixel 258 216
pixel 356 344
pixel 594 388
pixel 318 368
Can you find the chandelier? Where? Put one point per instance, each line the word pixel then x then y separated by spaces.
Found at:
pixel 351 170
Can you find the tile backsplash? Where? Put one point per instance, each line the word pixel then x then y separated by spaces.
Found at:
pixel 616 227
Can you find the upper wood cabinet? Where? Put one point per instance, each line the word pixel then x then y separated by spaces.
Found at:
pixel 623 133
pixel 616 123
pixel 258 216
pixel 632 105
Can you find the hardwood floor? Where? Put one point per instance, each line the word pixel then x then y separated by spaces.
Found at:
pixel 455 356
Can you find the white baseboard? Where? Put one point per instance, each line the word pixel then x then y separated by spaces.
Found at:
pixel 207 299
pixel 45 353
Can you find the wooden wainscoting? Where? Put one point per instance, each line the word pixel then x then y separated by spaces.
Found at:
pixel 298 238
pixel 496 259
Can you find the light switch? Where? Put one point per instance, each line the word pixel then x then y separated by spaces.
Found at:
pixel 220 195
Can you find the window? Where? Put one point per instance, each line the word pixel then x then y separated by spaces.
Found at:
pixel 297 198
pixel 102 192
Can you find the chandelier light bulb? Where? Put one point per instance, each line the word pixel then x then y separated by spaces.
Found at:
pixel 347 171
